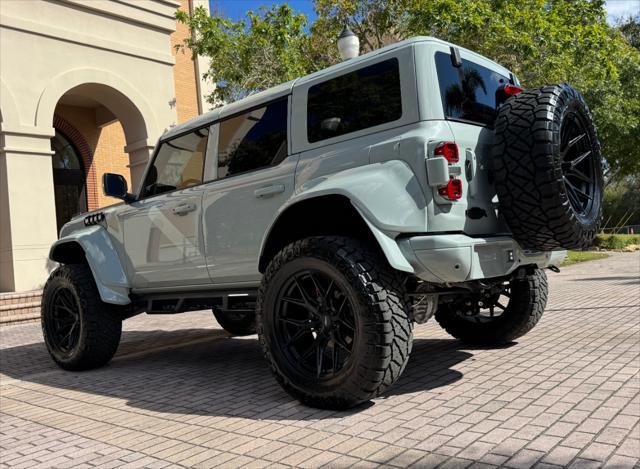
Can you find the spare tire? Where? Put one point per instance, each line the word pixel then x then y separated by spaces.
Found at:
pixel 548 169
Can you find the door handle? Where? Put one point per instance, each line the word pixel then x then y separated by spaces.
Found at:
pixel 183 209
pixel 269 191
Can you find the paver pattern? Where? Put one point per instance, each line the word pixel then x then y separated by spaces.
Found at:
pixel 181 392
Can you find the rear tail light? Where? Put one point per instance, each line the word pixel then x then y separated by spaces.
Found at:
pixel 449 150
pixel 452 190
pixel 511 90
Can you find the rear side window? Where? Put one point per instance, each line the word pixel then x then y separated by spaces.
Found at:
pixel 468 92
pixel 357 100
pixel 179 164
pixel 253 140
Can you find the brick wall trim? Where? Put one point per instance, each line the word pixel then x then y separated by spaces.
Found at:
pixel 77 139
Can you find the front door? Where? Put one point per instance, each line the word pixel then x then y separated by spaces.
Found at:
pixel 162 230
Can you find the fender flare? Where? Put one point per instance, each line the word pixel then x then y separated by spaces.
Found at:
pixel 387 196
pixel 102 258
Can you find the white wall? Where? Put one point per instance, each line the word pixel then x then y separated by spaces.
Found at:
pixel 46 48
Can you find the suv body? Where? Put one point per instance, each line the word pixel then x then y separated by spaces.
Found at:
pixel 333 212
pixel 205 225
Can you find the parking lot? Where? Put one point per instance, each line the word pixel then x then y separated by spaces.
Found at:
pixel 181 392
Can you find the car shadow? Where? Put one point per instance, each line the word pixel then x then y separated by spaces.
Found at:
pixel 207 372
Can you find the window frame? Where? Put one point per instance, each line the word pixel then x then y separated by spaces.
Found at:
pixel 393 60
pixel 210 167
pixel 408 98
pixel 478 61
pixel 156 151
pixel 247 110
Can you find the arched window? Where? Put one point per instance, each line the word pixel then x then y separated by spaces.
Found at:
pixel 69 180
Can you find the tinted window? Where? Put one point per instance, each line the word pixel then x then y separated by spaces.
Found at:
pixel 355 101
pixel 253 140
pixel 178 164
pixel 468 92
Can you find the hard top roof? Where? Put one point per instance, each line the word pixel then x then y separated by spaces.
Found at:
pixel 285 88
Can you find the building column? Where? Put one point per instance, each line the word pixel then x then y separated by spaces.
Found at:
pixel 139 154
pixel 27 207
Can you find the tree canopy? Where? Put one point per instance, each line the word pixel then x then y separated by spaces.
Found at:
pixel 541 41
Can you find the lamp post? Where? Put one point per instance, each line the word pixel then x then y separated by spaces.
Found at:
pixel 348 44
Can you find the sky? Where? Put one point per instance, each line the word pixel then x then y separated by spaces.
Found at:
pixel 236 9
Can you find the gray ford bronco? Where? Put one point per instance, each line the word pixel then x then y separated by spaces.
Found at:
pixel 333 212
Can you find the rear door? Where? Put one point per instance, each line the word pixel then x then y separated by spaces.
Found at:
pixel 163 230
pixel 469 96
pixel 253 178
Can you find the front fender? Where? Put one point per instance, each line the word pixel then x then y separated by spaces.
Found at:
pixel 108 272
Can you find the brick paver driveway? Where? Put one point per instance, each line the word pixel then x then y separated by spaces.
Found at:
pixel 181 392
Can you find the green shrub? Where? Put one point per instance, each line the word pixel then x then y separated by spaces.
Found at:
pixel 574 257
pixel 616 241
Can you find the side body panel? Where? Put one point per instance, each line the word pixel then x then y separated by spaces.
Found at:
pixel 236 214
pixel 163 239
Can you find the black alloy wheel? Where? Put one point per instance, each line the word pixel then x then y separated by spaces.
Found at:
pixel 80 331
pixel 62 321
pixel 333 323
pixel 578 164
pixel 486 307
pixel 315 319
pixel 498 316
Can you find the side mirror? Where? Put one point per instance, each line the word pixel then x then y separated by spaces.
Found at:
pixel 115 185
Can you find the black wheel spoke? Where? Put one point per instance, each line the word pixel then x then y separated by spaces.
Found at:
pixel 305 295
pixel 344 302
pixel 316 323
pixel 334 357
pixel 573 196
pixel 579 192
pixel 318 291
pixel 575 172
pixel 574 140
pixel 327 293
pixel 319 358
pixel 66 302
pixel 347 325
pixel 579 159
pixel 300 323
pixel 296 336
pixel 310 351
pixel 295 301
pixel 68 337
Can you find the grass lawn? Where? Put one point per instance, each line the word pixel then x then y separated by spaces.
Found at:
pixel 573 257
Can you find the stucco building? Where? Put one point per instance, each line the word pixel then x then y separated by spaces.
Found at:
pixel 86 87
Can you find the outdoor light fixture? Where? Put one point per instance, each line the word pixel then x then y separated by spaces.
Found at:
pixel 348 44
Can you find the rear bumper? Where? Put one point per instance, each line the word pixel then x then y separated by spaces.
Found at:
pixel 460 258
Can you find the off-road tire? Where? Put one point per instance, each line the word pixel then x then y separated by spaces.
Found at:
pixel 524 310
pixel 533 196
pixel 100 328
pixel 239 324
pixel 385 333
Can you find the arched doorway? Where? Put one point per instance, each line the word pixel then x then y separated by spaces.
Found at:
pixel 69 179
